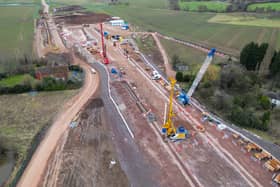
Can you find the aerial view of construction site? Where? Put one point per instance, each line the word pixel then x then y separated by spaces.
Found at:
pixel 172 93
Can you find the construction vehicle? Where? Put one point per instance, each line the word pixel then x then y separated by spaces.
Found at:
pixel 93 51
pixel 156 75
pixel 183 98
pixel 272 165
pixel 262 155
pixel 201 72
pixel 104 55
pixel 168 128
pixel 276 178
pixel 252 147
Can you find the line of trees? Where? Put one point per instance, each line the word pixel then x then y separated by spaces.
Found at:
pixel 236 94
pixel 275 64
pixel 47 84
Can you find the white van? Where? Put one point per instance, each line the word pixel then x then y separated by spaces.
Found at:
pixel 155 75
pixel 93 71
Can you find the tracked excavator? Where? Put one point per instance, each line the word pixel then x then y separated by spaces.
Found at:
pixel 168 129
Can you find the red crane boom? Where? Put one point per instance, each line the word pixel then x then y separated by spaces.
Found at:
pixel 105 58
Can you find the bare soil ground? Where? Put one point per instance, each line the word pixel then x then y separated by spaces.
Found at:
pixel 82 18
pixel 240 154
pixel 146 139
pixel 148 46
pixel 85 158
pixel 198 153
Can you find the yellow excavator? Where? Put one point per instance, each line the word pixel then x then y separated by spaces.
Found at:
pixel 168 128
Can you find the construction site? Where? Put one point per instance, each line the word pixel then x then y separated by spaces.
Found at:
pixel 138 128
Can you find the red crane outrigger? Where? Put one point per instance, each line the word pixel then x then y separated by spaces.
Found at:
pixel 104 55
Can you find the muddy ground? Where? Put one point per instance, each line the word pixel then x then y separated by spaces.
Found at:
pixel 82 18
pixel 85 158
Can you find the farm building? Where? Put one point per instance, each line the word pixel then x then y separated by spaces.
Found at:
pixel 60 72
pixel 118 22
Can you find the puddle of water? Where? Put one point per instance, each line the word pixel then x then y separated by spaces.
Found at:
pixel 7 162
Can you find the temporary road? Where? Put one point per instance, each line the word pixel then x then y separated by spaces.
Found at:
pixel 36 167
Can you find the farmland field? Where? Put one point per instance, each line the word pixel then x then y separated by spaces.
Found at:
pixel 191 57
pixel 266 6
pixel 16 33
pixel 23 117
pixel 245 20
pixel 91 4
pixel 194 27
pixel 216 6
pixel 19 1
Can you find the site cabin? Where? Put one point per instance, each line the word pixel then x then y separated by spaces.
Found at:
pixel 118 22
pixel 252 147
pixel 272 165
pixel 263 155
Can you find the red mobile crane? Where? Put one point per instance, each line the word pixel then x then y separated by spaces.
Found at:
pixel 104 55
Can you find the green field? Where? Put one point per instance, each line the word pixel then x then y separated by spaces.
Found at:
pixel 245 20
pixel 15 80
pixel 19 1
pixel 192 26
pixel 16 34
pixel 216 6
pixel 266 6
pixel 192 57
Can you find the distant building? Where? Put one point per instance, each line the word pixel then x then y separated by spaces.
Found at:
pixel 118 22
pixel 59 72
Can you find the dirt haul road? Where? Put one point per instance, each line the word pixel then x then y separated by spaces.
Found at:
pixel 169 71
pixel 35 169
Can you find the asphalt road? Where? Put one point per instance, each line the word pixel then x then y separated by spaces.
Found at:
pixel 137 169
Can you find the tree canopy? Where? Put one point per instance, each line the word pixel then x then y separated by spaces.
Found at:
pixel 275 64
pixel 252 55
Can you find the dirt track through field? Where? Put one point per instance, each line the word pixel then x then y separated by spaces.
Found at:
pixel 169 71
pixel 35 169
